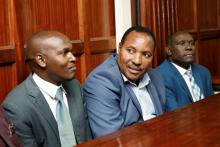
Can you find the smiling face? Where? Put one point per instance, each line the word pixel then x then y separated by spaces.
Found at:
pixel 181 50
pixel 135 55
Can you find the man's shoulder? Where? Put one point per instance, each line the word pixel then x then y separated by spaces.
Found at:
pixel 167 69
pixel 107 70
pixel 109 63
pixel 154 74
pixel 201 70
pixel 199 67
pixel 106 75
pixel 21 94
pixel 72 85
pixel 19 90
pixel 73 82
pixel 164 66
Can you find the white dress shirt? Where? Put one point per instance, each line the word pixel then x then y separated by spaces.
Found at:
pixel 49 91
pixel 143 97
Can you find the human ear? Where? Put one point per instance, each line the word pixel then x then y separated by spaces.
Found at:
pixel 40 59
pixel 119 46
pixel 168 50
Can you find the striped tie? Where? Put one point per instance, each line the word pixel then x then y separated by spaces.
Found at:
pixel 197 94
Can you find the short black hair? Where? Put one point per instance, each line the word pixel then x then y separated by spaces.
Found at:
pixel 172 37
pixel 141 29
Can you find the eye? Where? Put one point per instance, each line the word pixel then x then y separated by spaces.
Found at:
pixel 66 51
pixel 192 43
pixel 130 50
pixel 181 43
pixel 147 54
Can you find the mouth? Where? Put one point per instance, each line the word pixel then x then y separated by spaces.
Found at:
pixel 72 68
pixel 134 70
pixel 189 55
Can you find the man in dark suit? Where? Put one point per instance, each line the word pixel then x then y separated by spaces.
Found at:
pixel 34 107
pixel 182 89
pixel 124 90
pixel 8 137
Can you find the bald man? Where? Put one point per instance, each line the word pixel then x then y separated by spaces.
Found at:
pixel 180 85
pixel 32 106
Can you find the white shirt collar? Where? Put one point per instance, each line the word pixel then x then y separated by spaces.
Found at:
pixel 180 69
pixel 46 86
pixel 143 82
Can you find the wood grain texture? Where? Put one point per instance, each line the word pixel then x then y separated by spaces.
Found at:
pixel 100 35
pixel 209 51
pixel 193 125
pixel 8 79
pixel 208 14
pixel 4 24
pixel 36 15
pixel 7 54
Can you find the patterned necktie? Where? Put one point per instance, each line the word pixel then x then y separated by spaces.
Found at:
pixel 64 122
pixel 197 94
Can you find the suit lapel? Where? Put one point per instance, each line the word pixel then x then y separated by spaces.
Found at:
pixel 180 79
pixel 41 104
pixel 73 112
pixel 133 98
pixel 198 79
pixel 73 95
pixel 155 98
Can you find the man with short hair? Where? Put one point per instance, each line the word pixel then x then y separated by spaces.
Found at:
pixel 185 81
pixel 124 90
pixel 47 109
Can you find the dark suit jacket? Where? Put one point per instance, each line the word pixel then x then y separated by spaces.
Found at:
pixel 33 119
pixel 111 103
pixel 177 92
pixel 8 138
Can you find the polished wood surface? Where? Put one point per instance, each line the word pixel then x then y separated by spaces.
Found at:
pixel 197 124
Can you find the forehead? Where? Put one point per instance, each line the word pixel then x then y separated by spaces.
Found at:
pixel 138 37
pixel 56 41
pixel 182 36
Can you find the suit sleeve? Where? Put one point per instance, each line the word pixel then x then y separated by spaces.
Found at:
pixel 87 127
pixel 22 127
pixel 103 106
pixel 209 89
pixel 171 101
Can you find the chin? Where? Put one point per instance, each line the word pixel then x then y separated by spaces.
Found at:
pixel 70 78
pixel 189 62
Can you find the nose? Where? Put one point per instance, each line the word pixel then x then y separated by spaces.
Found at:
pixel 189 46
pixel 137 59
pixel 72 57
